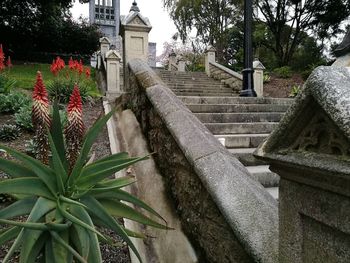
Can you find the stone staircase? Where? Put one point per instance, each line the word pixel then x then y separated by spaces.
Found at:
pixel 194 84
pixel 240 124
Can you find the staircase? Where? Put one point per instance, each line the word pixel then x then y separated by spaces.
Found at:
pixel 240 124
pixel 194 84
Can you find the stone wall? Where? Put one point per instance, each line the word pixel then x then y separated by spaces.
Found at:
pixel 228 215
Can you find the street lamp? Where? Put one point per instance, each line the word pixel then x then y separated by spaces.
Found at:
pixel 248 82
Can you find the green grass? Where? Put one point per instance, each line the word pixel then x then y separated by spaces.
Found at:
pixel 25 75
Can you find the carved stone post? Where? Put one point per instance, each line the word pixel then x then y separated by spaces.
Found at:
pixel 181 65
pixel 209 57
pixel 134 30
pixel 104 46
pixel 310 150
pixel 172 60
pixel 258 77
pixel 113 61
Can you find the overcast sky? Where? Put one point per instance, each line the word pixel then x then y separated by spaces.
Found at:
pixel 162 26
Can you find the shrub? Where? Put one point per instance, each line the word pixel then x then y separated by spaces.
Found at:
pixel 266 78
pixel 31 148
pixel 294 91
pixel 12 102
pixel 283 72
pixel 6 84
pixel 64 206
pixel 24 118
pixel 9 132
pixel 61 89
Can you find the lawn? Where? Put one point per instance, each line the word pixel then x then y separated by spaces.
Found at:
pixel 25 75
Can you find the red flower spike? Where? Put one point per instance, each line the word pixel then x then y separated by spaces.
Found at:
pixel 87 73
pixel 80 67
pixel 71 64
pixel 74 130
pixel 54 68
pixel 2 58
pixel 40 118
pixel 9 63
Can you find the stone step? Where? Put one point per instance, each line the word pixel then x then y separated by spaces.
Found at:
pixel 217 108
pixel 234 100
pixel 201 91
pixel 191 80
pixel 197 94
pixel 241 127
pixel 197 86
pixel 263 174
pixel 241 140
pixel 245 156
pixel 273 191
pixel 239 117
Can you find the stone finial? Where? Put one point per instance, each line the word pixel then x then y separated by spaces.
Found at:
pixel 105 40
pixel 257 64
pixel 210 49
pixel 134 7
pixel 113 55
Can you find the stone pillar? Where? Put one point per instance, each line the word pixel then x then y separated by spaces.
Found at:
pixel 181 65
pixel 209 57
pixel 310 150
pixel 258 77
pixel 134 30
pixel 172 60
pixel 104 46
pixel 98 59
pixel 113 61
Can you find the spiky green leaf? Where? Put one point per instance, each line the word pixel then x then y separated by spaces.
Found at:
pixel 42 171
pixel 98 210
pixel 15 170
pixel 34 186
pixel 18 208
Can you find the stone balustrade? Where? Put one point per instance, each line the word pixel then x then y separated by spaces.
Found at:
pixel 310 150
pixel 228 215
pixel 230 77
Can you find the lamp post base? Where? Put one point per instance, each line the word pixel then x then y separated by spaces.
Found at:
pixel 248 83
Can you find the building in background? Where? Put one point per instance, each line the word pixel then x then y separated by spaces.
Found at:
pixel 106 14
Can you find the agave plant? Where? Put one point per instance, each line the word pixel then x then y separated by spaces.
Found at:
pixel 62 208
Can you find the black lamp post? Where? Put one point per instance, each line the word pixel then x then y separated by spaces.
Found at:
pixel 248 82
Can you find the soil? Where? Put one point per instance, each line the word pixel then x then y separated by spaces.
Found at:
pixel 101 148
pixel 281 88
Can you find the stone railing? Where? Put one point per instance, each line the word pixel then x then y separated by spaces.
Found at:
pixel 230 77
pixel 227 214
pixel 310 150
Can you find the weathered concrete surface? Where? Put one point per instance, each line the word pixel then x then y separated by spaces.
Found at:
pixel 310 150
pixel 162 246
pixel 229 216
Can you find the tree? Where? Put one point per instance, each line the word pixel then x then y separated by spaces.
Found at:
pixel 211 20
pixel 44 26
pixel 290 20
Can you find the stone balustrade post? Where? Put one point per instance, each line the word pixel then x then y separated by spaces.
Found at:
pixel 134 31
pixel 113 60
pixel 181 65
pixel 258 77
pixel 172 60
pixel 310 150
pixel 209 57
pixel 104 46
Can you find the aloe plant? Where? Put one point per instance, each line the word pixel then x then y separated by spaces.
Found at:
pixel 63 205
